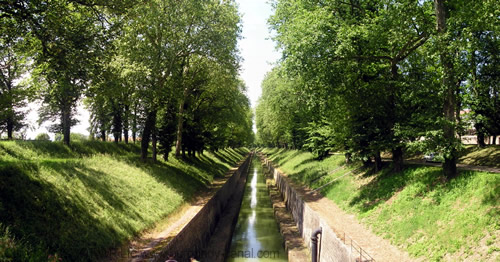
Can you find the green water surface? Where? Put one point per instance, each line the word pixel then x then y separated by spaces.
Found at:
pixel 256 236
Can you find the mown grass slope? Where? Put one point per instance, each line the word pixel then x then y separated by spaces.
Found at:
pixel 417 209
pixel 78 202
pixel 486 156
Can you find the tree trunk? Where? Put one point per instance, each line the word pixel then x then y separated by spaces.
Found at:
pixel 449 106
pixel 347 158
pixel 103 135
pixel 10 126
pixel 66 124
pixel 10 116
pixel 134 124
pixel 146 134
pixel 125 135
pixel 126 115
pixel 397 152
pixel 154 142
pixel 180 122
pixel 367 162
pixel 117 123
pixel 397 159
pixel 494 142
pixel 154 138
pixel 378 162
pixel 480 135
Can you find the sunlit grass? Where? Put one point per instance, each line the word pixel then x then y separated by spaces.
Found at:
pixel 79 201
pixel 487 156
pixel 416 209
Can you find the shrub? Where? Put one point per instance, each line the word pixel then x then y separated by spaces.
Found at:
pixel 42 137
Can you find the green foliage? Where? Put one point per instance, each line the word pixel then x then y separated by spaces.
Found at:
pixel 42 137
pixel 416 209
pixel 281 114
pixel 12 249
pixel 13 64
pixel 78 202
pixel 320 139
pixel 381 75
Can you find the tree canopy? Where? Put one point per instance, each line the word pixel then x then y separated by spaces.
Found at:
pixel 376 76
pixel 163 71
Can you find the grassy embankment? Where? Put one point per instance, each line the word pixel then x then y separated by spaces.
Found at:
pixel 487 156
pixel 78 202
pixel 417 209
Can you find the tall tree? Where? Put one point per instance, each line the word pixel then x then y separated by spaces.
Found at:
pixel 449 86
pixel 163 36
pixel 355 51
pixel 13 64
pixel 60 33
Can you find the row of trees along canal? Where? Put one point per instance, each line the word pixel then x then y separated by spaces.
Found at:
pixel 374 76
pixel 162 70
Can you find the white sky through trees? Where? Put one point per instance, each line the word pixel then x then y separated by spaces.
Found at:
pixel 256 48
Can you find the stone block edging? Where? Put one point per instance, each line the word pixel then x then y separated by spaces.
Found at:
pixel 307 220
pixel 193 238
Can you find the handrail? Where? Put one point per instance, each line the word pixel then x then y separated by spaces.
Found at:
pixel 314 244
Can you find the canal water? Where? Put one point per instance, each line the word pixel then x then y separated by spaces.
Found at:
pixel 256 236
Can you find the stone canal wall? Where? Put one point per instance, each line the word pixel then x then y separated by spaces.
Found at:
pixel 195 236
pixel 307 220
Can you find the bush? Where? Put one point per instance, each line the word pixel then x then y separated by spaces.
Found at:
pixel 78 137
pixel 73 137
pixel 42 137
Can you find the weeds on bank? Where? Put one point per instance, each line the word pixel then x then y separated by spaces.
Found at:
pixel 416 209
pixel 79 201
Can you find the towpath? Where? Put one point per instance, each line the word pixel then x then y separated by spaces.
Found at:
pixel 347 227
pixel 459 166
pixel 147 244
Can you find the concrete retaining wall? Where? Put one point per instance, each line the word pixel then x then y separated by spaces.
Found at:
pixel 196 234
pixel 331 247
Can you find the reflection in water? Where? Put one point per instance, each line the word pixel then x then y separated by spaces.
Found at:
pixel 256 236
pixel 253 203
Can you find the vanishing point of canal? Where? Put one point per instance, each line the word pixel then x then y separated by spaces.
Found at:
pixel 256 236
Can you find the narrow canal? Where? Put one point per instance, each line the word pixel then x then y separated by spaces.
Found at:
pixel 256 236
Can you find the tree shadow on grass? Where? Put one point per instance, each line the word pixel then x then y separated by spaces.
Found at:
pixel 206 164
pixel 183 179
pixel 5 150
pixel 305 162
pixel 488 156
pixel 46 217
pixel 48 149
pixel 387 184
pixel 228 156
pixel 283 157
pixel 59 220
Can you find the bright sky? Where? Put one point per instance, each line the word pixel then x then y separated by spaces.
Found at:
pixel 257 50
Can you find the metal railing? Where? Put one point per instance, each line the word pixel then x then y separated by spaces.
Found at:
pixel 357 252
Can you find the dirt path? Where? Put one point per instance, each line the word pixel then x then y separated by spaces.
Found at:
pixel 148 243
pixel 347 227
pixel 459 166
